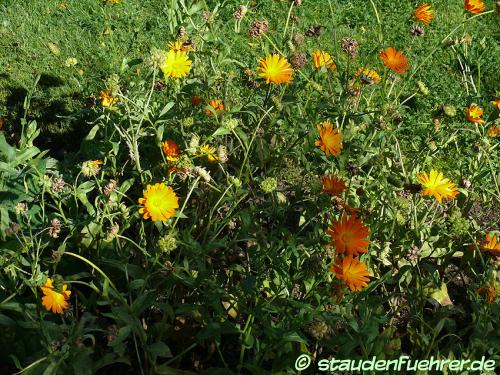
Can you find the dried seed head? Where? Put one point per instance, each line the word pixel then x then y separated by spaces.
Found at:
pixel 240 12
pixel 417 31
pixel 299 60
pixel 55 228
pixel 203 173
pixel 319 330
pixel 112 231
pixel 294 18
pixel 349 46
pixel 222 154
pixel 298 39
pixel 297 3
pixel 58 184
pixel 258 28
pixel 110 187
pixel 314 31
pixel 413 254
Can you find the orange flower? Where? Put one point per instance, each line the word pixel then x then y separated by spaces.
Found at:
pixel 491 292
pixel 474 113
pixel 349 235
pixel 474 6
pixel 330 141
pixel 424 13
pixel 323 59
pixel 490 245
pixel 214 106
pixel 352 271
pixel 496 103
pixel 494 131
pixel 196 100
pixel 55 300
pixel 394 60
pixel 171 150
pixel 332 185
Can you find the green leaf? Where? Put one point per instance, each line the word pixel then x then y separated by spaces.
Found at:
pixel 160 349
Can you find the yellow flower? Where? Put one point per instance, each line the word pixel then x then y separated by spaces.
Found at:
pixel 330 141
pixel 437 186
pixel 210 152
pixel 474 6
pixel 474 113
pixel 107 100
pixel 159 201
pixel 171 150
pixel 424 13
pixel 275 68
pixel 111 1
pixel 490 244
pixel 323 59
pixel 367 76
pixel 55 300
pixel 176 64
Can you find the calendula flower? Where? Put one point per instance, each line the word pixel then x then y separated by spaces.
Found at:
pixel 91 168
pixel 490 244
pixel 107 100
pixel 330 141
pixel 171 150
pixel 349 235
pixel 275 69
pixel 176 64
pixel 491 291
pixel 112 1
pixel 367 76
pixel 424 13
pixel 179 46
pixel 210 152
pixel 494 131
pixel 333 186
pixel 496 103
pixel 55 299
pixel 159 202
pixel 394 60
pixel 196 100
pixel 353 272
pixel 474 113
pixel 323 59
pixel 215 106
pixel 436 185
pixel 474 6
